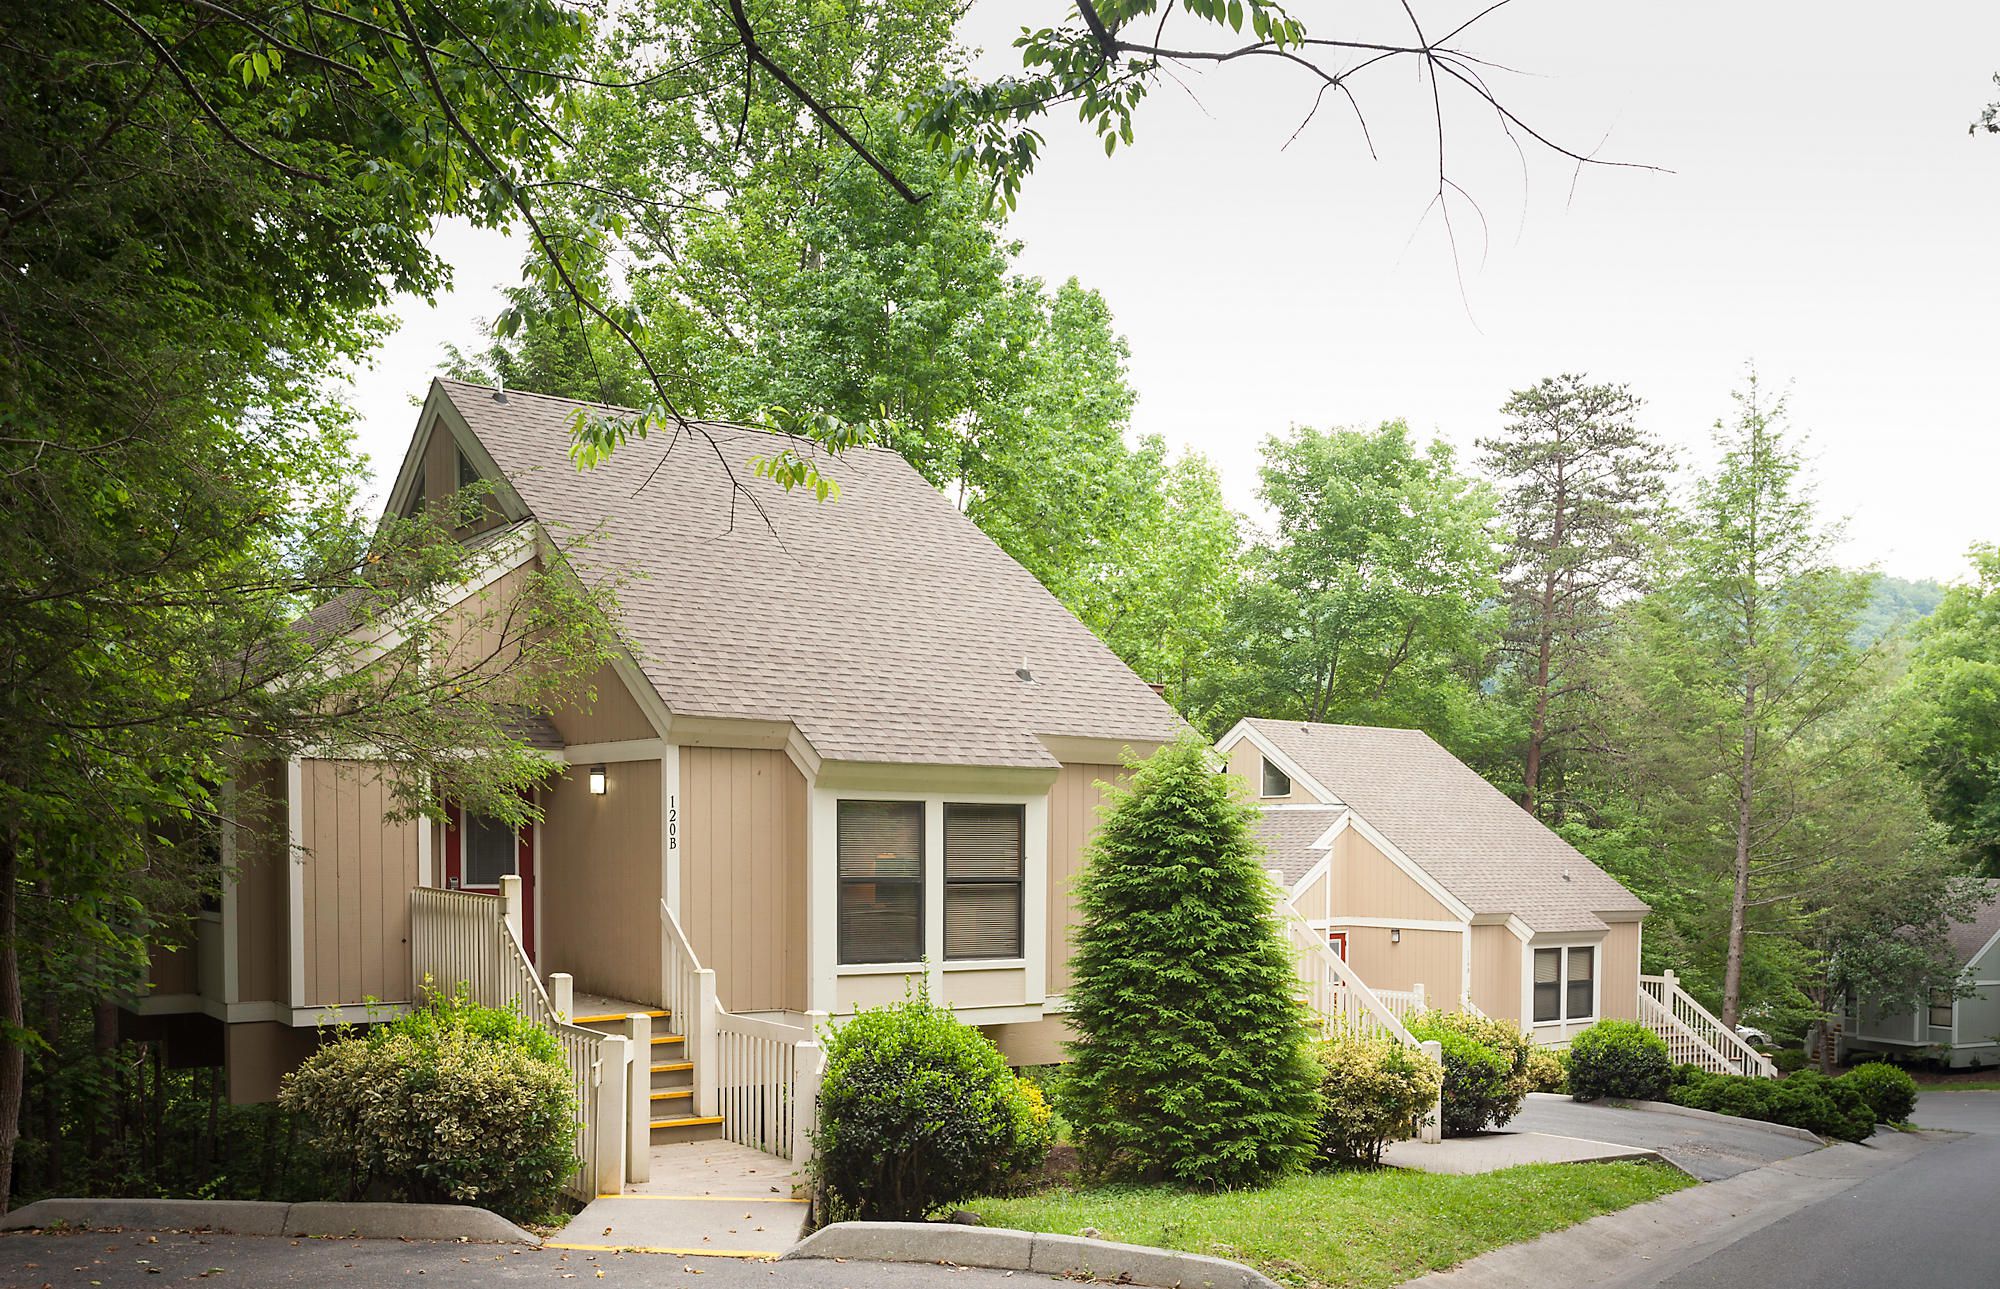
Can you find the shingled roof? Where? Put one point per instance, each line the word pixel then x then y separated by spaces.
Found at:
pixel 1493 856
pixel 883 624
pixel 1974 934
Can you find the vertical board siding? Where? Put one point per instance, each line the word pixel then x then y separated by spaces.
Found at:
pixel 612 716
pixel 743 874
pixel 1073 817
pixel 1431 958
pixel 357 945
pixel 1496 972
pixel 263 886
pixel 600 880
pixel 1368 883
pixel 1618 990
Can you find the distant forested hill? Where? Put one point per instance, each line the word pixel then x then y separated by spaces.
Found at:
pixel 1897 602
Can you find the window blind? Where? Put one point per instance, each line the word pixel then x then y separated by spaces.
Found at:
pixel 983 877
pixel 1582 967
pixel 881 876
pixel 1548 985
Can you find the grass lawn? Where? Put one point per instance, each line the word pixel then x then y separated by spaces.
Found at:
pixel 1341 1229
pixel 1960 1085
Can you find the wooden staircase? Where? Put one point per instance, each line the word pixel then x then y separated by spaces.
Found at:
pixel 673 1116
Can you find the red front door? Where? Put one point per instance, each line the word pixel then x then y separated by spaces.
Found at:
pixel 479 851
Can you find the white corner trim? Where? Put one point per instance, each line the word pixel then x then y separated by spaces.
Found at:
pixel 295 868
pixel 673 825
pixel 1244 730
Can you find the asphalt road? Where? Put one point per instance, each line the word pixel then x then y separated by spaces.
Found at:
pixel 1933 1220
pixel 85 1260
pixel 1710 1149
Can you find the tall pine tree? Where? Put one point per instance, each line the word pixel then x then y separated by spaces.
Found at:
pixel 1191 1060
pixel 1579 480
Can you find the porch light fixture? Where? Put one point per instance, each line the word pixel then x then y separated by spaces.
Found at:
pixel 1395 935
pixel 596 780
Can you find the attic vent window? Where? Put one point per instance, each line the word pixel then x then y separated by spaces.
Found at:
pixel 468 474
pixel 1276 782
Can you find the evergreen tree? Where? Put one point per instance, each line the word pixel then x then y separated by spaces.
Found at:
pixel 1579 480
pixel 1191 1059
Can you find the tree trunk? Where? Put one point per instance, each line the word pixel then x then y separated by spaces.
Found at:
pixel 1739 896
pixel 12 1056
pixel 52 1100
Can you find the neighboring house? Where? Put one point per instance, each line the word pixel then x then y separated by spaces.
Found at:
pixel 853 746
pixel 1422 874
pixel 1961 1032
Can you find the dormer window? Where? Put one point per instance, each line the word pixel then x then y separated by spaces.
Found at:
pixel 1276 782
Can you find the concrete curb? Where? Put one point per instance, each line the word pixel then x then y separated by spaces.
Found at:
pixel 262 1217
pixel 1007 1250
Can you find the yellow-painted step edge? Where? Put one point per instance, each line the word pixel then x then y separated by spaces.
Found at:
pixel 611 1016
pixel 669 1038
pixel 693 1121
pixel 673 1094
pixel 672 1067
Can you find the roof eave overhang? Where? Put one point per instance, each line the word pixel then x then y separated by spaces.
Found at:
pixel 906 776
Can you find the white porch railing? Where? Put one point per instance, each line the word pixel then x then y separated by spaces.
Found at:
pixel 1694 1036
pixel 462 938
pixel 1404 1004
pixel 762 1076
pixel 1343 1001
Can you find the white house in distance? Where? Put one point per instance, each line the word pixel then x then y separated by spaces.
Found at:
pixel 1960 1032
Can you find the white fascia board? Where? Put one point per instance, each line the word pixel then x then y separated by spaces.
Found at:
pixel 1320 868
pixel 1244 730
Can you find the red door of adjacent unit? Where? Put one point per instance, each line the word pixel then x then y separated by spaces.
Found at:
pixel 1337 941
pixel 479 852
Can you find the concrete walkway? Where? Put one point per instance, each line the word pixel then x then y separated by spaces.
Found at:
pixel 706 1198
pixel 1710 1147
pixel 1491 1151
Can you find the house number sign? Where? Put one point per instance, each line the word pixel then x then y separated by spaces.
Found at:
pixel 673 821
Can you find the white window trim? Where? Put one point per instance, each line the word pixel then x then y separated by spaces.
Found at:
pixel 1562 984
pixel 823 914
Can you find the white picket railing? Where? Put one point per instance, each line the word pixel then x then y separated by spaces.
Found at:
pixel 463 938
pixel 1404 1004
pixel 761 1076
pixel 1694 1036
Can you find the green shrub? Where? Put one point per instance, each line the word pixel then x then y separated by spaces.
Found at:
pixel 1890 1092
pixel 1619 1058
pixel 1804 1100
pixel 1192 1054
pixel 1789 1060
pixel 1548 1070
pixel 917 1111
pixel 1372 1091
pixel 1485 1069
pixel 451 1103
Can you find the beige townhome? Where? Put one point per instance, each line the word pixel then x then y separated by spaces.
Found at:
pixel 847 744
pixel 1438 890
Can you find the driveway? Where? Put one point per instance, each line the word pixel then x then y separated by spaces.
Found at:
pixel 1706 1148
pixel 131 1261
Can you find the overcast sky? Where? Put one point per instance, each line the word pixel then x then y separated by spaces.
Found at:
pixel 1819 209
